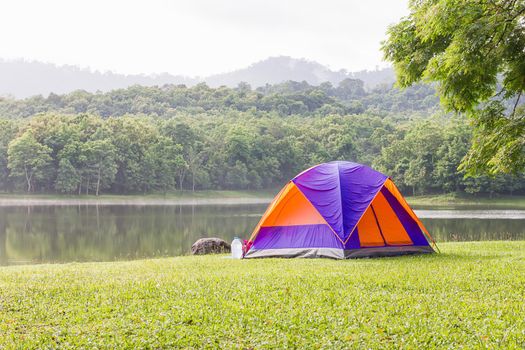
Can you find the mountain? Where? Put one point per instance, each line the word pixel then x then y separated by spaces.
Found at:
pixel 373 78
pixel 275 70
pixel 23 78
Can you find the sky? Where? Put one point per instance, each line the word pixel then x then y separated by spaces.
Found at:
pixel 195 37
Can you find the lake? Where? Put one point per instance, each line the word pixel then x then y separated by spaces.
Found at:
pixel 67 233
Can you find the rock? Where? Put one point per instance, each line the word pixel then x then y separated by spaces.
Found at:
pixel 210 246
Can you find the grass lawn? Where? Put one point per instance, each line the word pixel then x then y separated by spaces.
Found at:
pixel 470 296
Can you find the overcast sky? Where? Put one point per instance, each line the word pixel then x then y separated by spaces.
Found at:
pixel 195 37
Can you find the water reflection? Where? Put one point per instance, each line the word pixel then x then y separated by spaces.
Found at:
pixel 104 233
pixel 101 233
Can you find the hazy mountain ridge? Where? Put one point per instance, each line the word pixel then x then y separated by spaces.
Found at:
pixel 24 78
pixel 275 70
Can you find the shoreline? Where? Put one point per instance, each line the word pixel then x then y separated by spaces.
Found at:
pixel 14 202
pixel 184 198
pixel 237 198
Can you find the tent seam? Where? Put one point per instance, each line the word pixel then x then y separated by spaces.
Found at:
pixel 378 225
pixel 330 226
pixel 357 223
pixel 341 198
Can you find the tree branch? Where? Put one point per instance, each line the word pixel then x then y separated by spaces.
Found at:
pixel 516 105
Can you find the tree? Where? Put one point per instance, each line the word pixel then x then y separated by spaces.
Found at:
pixel 195 156
pixel 28 158
pixel 411 159
pixel 182 135
pixel 475 51
pixel 8 131
pixel 349 89
pixel 237 176
pixel 67 177
pixel 71 167
pixel 132 137
pixel 167 160
pixel 100 162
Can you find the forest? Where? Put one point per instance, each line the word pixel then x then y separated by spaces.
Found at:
pixel 162 139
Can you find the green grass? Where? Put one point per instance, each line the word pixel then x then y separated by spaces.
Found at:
pixel 470 296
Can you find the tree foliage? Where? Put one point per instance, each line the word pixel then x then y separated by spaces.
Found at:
pixel 86 154
pixel 475 50
pixel 424 156
pixel 288 98
pixel 161 139
pixel 29 159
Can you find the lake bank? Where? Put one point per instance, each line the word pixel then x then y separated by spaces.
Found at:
pixel 237 197
pixel 469 296
pixel 177 198
pixel 443 200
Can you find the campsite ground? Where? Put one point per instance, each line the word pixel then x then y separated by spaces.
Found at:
pixel 470 296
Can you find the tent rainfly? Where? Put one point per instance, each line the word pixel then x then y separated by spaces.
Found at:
pixel 338 210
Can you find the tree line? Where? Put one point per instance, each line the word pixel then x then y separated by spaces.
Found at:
pixel 88 154
pixel 286 99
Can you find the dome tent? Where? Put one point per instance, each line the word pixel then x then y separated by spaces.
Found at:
pixel 338 210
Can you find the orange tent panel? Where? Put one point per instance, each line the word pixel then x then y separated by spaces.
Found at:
pixel 389 184
pixel 392 229
pixel 293 209
pixel 273 204
pixel 369 234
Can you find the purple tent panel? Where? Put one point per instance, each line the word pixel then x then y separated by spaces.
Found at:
pixel 300 236
pixel 341 192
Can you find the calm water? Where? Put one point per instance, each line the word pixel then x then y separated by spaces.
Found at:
pixel 103 233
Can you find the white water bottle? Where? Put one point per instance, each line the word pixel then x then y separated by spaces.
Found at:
pixel 236 248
